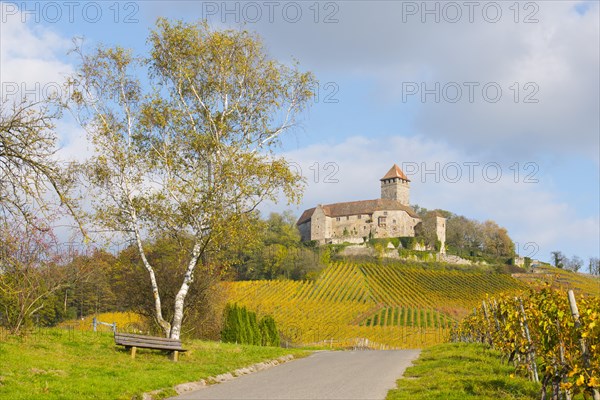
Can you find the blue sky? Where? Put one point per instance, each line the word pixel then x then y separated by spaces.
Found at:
pixel 431 85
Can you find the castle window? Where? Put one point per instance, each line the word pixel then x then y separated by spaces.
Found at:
pixel 385 213
pixel 359 216
pixel 337 219
pixel 394 221
pixel 347 218
pixel 381 222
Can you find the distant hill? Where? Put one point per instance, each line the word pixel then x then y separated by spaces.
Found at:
pixel 389 305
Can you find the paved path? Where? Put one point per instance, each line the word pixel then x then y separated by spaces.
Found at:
pixel 324 375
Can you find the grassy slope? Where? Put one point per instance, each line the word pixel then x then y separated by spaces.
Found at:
pixel 58 364
pixel 457 371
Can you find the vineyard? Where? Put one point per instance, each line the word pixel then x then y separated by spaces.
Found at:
pixel 563 280
pixel 549 335
pixel 376 306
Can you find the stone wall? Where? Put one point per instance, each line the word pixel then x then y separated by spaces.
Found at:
pixel 355 228
pixel 440 228
pixel 304 229
pixel 320 228
pixel 394 223
pixel 396 189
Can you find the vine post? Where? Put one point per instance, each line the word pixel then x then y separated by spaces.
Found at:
pixel 487 320
pixel 531 353
pixel 562 361
pixel 584 351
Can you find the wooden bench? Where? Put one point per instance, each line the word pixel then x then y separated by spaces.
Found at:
pixel 131 341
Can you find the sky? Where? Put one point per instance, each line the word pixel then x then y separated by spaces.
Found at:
pixel 491 108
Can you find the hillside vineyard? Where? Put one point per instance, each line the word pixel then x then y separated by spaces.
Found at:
pixel 391 306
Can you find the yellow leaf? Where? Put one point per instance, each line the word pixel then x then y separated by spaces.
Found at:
pixel 566 385
pixel 580 380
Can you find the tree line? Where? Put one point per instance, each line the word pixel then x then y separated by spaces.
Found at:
pixel 575 263
pixel 464 236
pixel 43 283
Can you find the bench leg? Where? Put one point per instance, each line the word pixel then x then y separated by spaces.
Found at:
pixel 175 356
pixel 133 351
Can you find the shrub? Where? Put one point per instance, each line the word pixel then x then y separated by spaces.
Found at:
pixel 241 326
pixel 408 242
pixel 268 332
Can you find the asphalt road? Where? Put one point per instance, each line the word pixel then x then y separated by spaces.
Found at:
pixel 324 375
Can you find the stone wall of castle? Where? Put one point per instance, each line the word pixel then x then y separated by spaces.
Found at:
pixel 396 189
pixel 320 228
pixel 393 223
pixel 354 228
pixel 305 234
pixel 440 228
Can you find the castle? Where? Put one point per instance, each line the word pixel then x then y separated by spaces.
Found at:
pixel 358 221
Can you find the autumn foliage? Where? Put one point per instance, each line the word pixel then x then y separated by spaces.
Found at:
pixel 537 332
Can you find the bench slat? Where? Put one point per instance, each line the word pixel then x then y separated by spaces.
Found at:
pixel 170 342
pixel 144 343
pixel 141 337
pixel 148 342
pixel 148 345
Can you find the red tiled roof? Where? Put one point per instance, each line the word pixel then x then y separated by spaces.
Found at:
pixel 395 172
pixel 358 207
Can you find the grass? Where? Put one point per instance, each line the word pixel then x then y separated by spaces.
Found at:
pixel 61 364
pixel 458 371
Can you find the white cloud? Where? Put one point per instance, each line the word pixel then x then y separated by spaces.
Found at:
pixel 32 65
pixel 551 45
pixel 559 55
pixel 30 54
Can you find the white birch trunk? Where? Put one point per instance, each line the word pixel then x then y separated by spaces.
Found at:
pixel 165 325
pixel 183 291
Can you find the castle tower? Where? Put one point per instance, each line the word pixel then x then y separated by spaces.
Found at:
pixel 395 186
pixel 440 230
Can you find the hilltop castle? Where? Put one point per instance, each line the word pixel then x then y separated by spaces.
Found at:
pixel 358 221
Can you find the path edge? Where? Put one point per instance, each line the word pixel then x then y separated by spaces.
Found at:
pixel 227 376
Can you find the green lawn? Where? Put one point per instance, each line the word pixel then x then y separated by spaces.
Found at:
pixel 61 364
pixel 458 371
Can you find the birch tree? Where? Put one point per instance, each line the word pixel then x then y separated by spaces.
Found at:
pixel 34 185
pixel 194 156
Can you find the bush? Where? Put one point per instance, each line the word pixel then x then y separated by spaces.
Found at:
pixel 383 242
pixel 419 255
pixel 241 326
pixel 408 242
pixel 395 242
pixel 268 332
